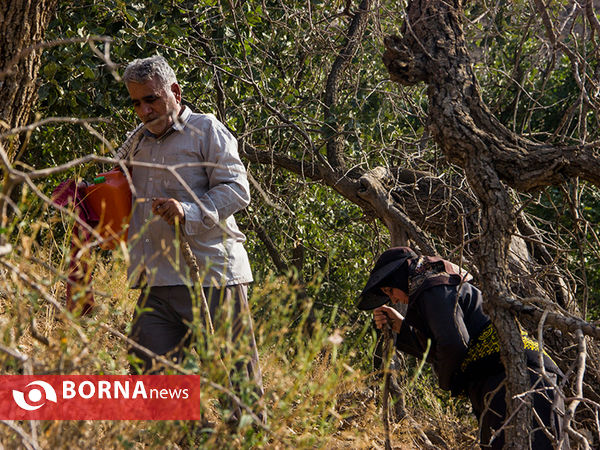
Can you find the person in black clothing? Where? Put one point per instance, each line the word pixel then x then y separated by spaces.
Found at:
pixel 444 308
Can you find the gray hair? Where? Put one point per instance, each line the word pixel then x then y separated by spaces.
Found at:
pixel 142 70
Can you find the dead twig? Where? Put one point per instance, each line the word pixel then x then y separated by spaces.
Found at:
pixel 385 413
pixel 570 413
pixel 27 440
pixel 176 367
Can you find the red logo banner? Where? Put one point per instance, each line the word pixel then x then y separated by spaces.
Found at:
pixel 99 397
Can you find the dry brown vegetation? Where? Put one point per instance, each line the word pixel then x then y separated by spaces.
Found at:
pixel 344 163
pixel 316 395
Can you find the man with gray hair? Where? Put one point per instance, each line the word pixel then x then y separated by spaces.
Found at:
pixel 205 186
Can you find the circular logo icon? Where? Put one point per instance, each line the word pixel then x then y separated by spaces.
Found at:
pixel 28 402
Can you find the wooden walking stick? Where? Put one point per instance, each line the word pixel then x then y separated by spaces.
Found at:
pixel 387 356
pixel 192 263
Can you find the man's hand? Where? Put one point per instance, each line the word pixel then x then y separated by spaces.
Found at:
pixel 168 209
pixel 385 314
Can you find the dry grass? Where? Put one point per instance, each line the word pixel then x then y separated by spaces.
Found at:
pixel 316 395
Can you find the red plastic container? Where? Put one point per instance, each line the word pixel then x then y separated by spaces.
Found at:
pixel 110 198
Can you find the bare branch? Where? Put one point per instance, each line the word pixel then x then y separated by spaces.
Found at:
pixel 27 440
pixel 566 324
pixel 49 44
pixel 176 367
pixel 355 33
pixel 570 413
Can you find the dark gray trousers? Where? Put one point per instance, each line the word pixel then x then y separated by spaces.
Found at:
pixel 161 325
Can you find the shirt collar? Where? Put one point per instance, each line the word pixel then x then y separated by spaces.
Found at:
pixel 183 118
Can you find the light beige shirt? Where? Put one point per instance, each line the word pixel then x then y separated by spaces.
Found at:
pixel 204 153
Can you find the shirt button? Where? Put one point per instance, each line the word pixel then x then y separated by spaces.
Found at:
pixel 147 240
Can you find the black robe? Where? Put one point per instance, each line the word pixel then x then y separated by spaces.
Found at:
pixel 452 317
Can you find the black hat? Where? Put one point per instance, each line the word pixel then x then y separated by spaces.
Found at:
pixel 389 261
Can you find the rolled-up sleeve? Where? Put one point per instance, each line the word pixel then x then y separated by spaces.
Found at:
pixel 228 190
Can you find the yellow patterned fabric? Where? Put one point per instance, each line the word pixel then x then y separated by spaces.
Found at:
pixel 487 344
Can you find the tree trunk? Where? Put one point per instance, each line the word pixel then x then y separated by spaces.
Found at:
pixel 23 24
pixel 432 49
